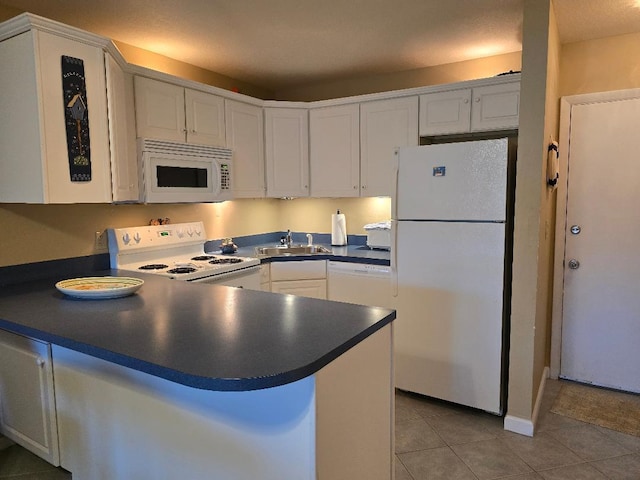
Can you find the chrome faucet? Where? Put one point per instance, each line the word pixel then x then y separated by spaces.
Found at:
pixel 289 238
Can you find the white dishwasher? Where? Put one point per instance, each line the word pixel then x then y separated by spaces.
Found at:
pixel 360 283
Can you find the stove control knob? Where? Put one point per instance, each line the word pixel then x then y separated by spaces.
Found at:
pixel 189 232
pixel 137 237
pixel 180 233
pixel 126 238
pixel 198 231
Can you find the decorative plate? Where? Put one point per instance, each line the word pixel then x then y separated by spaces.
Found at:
pixel 99 287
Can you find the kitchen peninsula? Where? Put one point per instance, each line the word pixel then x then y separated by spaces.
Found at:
pixel 205 381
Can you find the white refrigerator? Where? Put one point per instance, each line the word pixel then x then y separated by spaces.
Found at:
pixel 451 266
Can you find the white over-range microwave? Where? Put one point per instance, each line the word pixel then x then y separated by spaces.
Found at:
pixel 172 172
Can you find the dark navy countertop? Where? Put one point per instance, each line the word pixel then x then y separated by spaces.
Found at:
pixel 356 251
pixel 204 336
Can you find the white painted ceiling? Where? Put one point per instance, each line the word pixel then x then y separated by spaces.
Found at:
pixel 277 44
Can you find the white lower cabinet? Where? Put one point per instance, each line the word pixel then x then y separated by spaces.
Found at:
pixel 27 400
pixel 306 278
pixel 265 277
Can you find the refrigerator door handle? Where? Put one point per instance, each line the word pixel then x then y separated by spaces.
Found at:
pixel 394 196
pixel 394 257
pixel 394 224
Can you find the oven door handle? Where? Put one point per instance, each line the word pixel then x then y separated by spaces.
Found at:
pixel 221 276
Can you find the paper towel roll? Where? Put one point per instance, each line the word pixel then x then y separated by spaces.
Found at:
pixel 338 229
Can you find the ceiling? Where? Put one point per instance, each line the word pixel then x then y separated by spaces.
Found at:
pixel 276 44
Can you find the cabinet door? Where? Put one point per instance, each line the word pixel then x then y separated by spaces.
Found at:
pixel 245 136
pixel 205 118
pixel 27 403
pixel 445 112
pixel 287 152
pixel 495 107
pixel 335 151
pixel 384 125
pixel 122 139
pixel 159 110
pixel 302 288
pixel 58 187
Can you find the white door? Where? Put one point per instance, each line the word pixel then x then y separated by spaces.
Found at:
pixel 601 304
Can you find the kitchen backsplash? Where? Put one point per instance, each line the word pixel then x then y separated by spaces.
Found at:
pixel 36 233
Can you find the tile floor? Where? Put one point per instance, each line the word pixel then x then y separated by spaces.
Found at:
pixel 436 440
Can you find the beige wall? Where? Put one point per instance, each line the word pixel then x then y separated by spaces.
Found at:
pixel 600 65
pixel 47 232
pixel 531 275
pixel 154 61
pixel 314 215
pixel 440 74
pixel 33 233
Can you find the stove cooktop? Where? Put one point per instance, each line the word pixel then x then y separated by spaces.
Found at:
pixel 174 250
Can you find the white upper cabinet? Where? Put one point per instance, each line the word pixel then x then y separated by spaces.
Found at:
pixel 478 109
pixel 171 112
pixel 287 152
pixel 495 107
pixel 159 110
pixel 445 112
pixel 35 165
pixel 245 136
pixel 384 126
pixel 335 151
pixel 205 118
pixel 122 138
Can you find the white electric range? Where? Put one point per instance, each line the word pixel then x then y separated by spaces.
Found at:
pixel 176 251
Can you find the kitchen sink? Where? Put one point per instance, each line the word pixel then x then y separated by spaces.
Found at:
pixel 281 250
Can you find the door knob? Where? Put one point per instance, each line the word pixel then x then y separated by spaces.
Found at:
pixel 574 264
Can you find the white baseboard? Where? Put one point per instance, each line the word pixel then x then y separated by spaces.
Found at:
pixel 525 426
pixel 518 425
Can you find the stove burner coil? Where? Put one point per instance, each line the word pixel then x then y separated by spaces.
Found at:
pixel 225 260
pixel 182 270
pixel 203 257
pixel 153 266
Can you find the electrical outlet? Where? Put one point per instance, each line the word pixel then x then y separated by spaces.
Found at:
pixel 101 245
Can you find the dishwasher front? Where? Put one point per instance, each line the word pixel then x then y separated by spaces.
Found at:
pixel 359 283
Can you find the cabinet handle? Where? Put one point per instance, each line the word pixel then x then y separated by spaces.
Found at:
pixel 477 99
pixel 364 187
pixel 466 100
pixel 40 362
pixel 355 187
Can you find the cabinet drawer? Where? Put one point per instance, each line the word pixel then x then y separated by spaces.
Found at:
pixel 302 288
pixel 298 270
